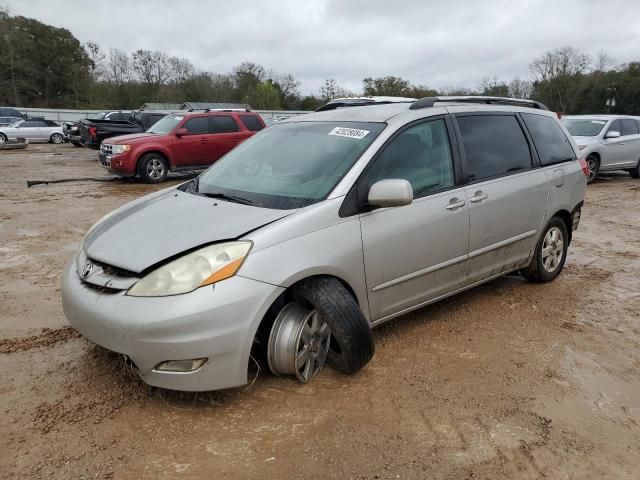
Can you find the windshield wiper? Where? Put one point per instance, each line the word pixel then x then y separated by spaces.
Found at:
pixel 229 198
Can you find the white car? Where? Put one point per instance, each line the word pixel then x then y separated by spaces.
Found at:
pixel 34 130
pixel 607 142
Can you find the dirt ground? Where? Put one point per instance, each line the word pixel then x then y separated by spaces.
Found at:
pixel 508 380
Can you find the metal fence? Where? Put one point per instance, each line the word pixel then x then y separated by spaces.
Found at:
pixel 66 115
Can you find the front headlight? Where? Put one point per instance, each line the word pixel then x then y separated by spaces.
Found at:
pixel 205 266
pixel 117 149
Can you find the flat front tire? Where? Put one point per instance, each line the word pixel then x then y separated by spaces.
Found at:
pixel 550 254
pixel 153 168
pixel 351 345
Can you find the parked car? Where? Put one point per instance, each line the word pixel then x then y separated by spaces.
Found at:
pixel 94 131
pixel 362 101
pixel 608 142
pixel 6 121
pixel 34 130
pixel 185 140
pixel 320 227
pixel 11 112
pixel 72 129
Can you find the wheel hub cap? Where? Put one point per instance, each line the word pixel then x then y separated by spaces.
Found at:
pixel 298 343
pixel 552 249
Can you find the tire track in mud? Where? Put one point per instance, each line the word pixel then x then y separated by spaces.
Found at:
pixel 46 338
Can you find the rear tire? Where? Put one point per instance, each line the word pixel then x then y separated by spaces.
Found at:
pixel 56 138
pixel 550 254
pixel 351 346
pixel 635 172
pixel 594 168
pixel 153 168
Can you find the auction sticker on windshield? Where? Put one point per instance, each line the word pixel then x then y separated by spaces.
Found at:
pixel 349 132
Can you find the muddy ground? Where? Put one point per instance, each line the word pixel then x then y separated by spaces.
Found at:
pixel 509 380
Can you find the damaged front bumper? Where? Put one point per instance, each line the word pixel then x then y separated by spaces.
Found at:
pixel 214 322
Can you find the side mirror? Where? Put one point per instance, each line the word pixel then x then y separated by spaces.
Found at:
pixel 182 132
pixel 612 134
pixel 394 192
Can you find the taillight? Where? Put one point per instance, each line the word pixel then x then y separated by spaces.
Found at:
pixel 559 115
pixel 93 132
pixel 585 167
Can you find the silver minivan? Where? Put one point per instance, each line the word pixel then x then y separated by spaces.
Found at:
pixel 290 248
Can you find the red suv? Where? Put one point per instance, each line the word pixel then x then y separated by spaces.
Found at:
pixel 180 141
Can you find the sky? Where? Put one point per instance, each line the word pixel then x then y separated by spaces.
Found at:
pixel 437 43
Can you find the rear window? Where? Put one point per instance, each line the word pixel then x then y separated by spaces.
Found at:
pixel 223 124
pixel 550 141
pixel 251 122
pixel 494 145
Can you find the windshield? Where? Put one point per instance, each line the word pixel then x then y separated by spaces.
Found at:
pixel 290 165
pixel 15 124
pixel 584 127
pixel 165 124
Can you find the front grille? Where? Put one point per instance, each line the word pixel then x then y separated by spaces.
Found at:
pixel 106 149
pixel 108 279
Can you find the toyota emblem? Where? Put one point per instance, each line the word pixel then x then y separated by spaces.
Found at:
pixel 86 270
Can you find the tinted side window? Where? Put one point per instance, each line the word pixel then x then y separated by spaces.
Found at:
pixel 51 123
pixel 615 127
pixel 421 155
pixel 197 125
pixel 223 124
pixel 551 142
pixel 251 122
pixel 629 126
pixel 494 145
pixel 30 123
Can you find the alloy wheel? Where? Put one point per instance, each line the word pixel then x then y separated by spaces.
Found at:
pixel 155 168
pixel 552 249
pixel 298 343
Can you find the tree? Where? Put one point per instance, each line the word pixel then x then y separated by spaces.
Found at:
pixel 180 69
pixel 520 88
pixel 494 87
pixel 330 90
pixel 561 62
pixel 119 69
pixel 386 86
pixel 153 68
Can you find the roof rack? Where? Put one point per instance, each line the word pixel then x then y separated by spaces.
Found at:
pixel 207 110
pixel 431 101
pixel 362 101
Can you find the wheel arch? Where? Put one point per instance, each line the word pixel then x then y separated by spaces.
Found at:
pixel 567 218
pixel 260 335
pixel 155 150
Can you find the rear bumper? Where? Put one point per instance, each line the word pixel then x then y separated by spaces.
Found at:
pixel 218 323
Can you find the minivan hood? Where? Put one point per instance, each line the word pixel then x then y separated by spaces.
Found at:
pixel 141 234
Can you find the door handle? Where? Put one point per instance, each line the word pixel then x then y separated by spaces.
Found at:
pixel 455 204
pixel 236 137
pixel 204 140
pixel 621 144
pixel 478 197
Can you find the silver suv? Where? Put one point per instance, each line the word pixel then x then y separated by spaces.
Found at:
pixel 608 142
pixel 290 248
